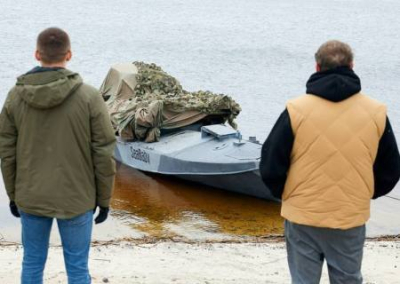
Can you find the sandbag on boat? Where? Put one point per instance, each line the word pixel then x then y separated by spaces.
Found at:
pixel 142 100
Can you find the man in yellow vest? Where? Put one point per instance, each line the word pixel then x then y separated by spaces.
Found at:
pixel 330 152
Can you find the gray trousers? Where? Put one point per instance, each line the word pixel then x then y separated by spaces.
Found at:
pixel 307 247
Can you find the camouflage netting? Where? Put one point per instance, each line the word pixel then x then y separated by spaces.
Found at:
pixel 142 99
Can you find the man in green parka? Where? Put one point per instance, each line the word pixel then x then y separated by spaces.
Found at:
pixel 56 145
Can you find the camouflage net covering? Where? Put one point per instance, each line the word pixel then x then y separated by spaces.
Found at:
pixel 142 99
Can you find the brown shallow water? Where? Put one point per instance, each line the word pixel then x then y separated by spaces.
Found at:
pixel 149 205
pixel 167 207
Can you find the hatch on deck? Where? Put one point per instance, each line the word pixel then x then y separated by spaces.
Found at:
pixel 219 131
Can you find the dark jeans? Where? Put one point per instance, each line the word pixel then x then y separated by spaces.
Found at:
pixel 75 237
pixel 307 247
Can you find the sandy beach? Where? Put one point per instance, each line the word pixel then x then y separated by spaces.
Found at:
pixel 183 263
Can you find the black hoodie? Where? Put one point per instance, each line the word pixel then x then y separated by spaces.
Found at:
pixel 334 85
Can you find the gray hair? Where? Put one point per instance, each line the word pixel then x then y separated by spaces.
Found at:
pixel 332 54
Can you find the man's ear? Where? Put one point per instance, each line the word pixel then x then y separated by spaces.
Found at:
pixel 317 67
pixel 37 55
pixel 68 56
pixel 351 65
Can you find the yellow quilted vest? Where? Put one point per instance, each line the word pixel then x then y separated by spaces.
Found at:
pixel 330 181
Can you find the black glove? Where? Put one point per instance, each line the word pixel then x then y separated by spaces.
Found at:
pixel 14 209
pixel 102 216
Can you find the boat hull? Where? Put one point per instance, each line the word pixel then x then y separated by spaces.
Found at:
pixel 223 164
pixel 248 183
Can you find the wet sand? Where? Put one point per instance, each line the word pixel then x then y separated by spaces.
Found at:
pixel 149 206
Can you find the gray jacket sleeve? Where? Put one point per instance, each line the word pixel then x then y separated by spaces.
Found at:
pixel 102 144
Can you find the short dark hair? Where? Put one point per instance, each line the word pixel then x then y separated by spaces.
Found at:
pixel 53 44
pixel 334 54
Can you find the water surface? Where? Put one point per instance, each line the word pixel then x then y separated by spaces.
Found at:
pixel 258 51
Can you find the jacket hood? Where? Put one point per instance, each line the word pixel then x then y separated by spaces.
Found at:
pixel 335 84
pixel 47 89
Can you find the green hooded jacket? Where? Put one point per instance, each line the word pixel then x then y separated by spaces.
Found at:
pixel 56 145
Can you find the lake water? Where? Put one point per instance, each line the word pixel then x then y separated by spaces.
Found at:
pixel 258 51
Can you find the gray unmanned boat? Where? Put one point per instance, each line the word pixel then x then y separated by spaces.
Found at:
pixel 191 144
pixel 213 155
